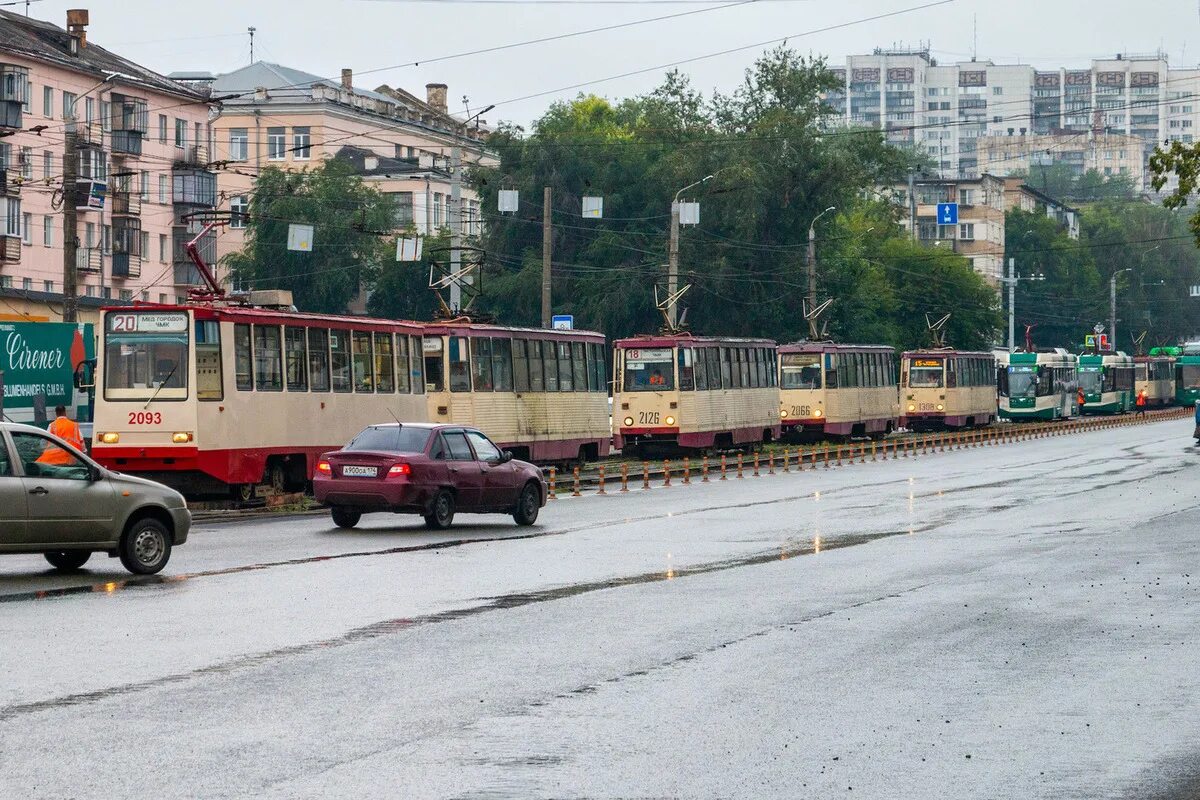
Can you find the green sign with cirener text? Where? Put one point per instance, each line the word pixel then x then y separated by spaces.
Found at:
pixel 38 361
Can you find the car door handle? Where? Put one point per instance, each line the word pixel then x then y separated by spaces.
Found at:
pixel 39 490
pixel 454 469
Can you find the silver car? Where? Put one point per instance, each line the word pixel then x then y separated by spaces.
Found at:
pixel 56 501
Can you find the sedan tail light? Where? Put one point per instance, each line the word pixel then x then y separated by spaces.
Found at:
pixel 399 470
pixel 323 468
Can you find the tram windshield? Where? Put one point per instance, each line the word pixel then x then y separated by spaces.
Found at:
pixel 1022 382
pixel 146 356
pixel 800 370
pixel 1091 380
pixel 649 370
pixel 925 374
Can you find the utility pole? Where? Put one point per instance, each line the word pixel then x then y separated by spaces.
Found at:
pixel 70 240
pixel 1112 309
pixel 1012 298
pixel 673 264
pixel 810 263
pixel 912 205
pixel 455 226
pixel 547 250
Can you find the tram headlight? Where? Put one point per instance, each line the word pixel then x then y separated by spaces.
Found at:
pixel 912 407
pixel 181 437
pixel 783 413
pixel 941 407
pixel 817 413
pixel 670 421
pixel 109 438
pixel 629 422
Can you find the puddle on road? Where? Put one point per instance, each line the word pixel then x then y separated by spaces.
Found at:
pixel 489 604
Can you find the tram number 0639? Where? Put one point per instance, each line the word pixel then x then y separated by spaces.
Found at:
pixel 802 411
pixel 145 418
pixel 648 418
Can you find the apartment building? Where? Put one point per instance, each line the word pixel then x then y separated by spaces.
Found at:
pixel 1110 155
pixel 1022 196
pixel 945 110
pixel 278 116
pixel 141 155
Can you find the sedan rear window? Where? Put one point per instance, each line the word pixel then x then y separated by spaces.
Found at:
pixel 391 439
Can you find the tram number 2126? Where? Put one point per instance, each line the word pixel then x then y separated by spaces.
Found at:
pixel 648 417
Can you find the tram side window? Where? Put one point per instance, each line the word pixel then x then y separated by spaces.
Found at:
pixel 268 359
pixel 595 367
pixel 418 371
pixel 243 361
pixel 339 360
pixel 460 365
pixel 209 385
pixel 481 356
pixel 502 369
pixel 318 359
pixel 1045 385
pixel 713 357
pixel 435 378
pixel 743 355
pixel 520 348
pixel 951 373
pixel 564 366
pixel 687 372
pixel 700 365
pixel 831 373
pixel 549 365
pixel 295 357
pixel 403 373
pixel 579 367
pixel 364 378
pixel 385 365
pixel 1001 380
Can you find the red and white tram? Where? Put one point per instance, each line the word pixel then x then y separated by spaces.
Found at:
pixel 690 392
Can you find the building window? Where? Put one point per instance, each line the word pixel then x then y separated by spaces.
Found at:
pixel 301 143
pixel 162 188
pixel 27 163
pixel 27 284
pixel 181 133
pixel 127 295
pixel 144 186
pixel 966 231
pixel 48 287
pixel 107 293
pixel 997 90
pixel 89 110
pixel 27 228
pixel 276 144
pixel 5 281
pixel 145 244
pixel 966 197
pixel 437 209
pixel 47 164
pixel 402 209
pixel 90 291
pixel 47 102
pixel 162 247
pixel 68 109
pixel 162 128
pixel 239 148
pixel 48 230
pixel 237 211
pixel 11 220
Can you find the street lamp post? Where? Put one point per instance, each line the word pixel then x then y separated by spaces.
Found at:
pixel 811 258
pixel 673 253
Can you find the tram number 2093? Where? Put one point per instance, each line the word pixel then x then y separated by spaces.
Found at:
pixel 145 418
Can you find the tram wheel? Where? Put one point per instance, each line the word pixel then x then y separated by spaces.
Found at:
pixel 278 478
pixel 243 492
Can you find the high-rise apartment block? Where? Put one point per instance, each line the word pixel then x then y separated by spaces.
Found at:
pixel 945 110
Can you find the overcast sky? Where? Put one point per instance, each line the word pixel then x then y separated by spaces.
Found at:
pixel 323 36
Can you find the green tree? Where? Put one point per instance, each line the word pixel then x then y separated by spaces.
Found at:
pixel 401 288
pixel 1062 182
pixel 348 218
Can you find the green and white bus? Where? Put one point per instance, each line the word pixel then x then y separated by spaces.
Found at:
pixel 1037 386
pixel 1106 380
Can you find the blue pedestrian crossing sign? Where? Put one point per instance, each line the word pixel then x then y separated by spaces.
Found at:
pixel 947 213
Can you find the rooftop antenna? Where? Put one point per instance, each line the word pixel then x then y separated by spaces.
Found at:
pixel 251 31
pixel 666 303
pixel 974 36
pixel 812 315
pixel 1029 336
pixel 1137 343
pixel 937 330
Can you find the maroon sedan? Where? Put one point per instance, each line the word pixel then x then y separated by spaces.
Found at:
pixel 431 470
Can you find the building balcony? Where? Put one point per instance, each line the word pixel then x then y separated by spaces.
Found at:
pixel 126 203
pixel 126 144
pixel 10 249
pixel 129 121
pixel 193 157
pixel 193 188
pixel 10 183
pixel 126 265
pixel 14 95
pixel 89 259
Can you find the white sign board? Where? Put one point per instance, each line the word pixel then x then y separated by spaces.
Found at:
pixel 562 322
pixel 593 207
pixel 1196 291
pixel 147 323
pixel 300 237
pixel 509 200
pixel 408 248
pixel 689 213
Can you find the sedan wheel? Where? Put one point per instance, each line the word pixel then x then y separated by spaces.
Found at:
pixel 442 515
pixel 68 560
pixel 345 519
pixel 145 547
pixel 528 505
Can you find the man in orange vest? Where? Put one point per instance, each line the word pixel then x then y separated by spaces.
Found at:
pixel 1141 403
pixel 64 428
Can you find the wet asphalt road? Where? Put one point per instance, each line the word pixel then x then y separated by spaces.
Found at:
pixel 1017 622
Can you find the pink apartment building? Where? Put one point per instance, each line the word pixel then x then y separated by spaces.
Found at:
pixel 144 143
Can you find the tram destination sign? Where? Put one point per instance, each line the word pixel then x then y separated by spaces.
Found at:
pixel 148 323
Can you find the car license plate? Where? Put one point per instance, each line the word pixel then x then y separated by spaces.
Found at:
pixel 359 472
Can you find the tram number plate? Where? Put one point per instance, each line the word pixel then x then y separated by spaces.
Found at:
pixel 145 418
pixel 360 472
pixel 926 407
pixel 802 411
pixel 648 417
